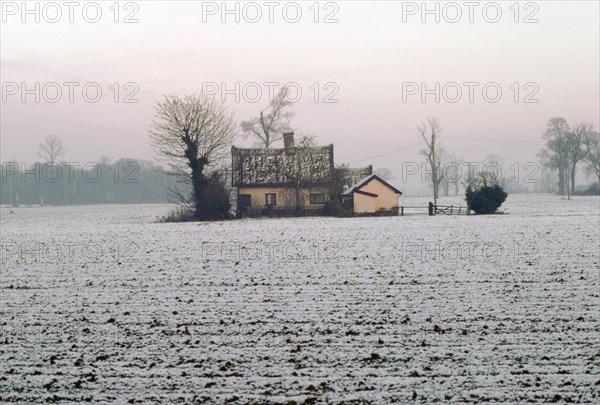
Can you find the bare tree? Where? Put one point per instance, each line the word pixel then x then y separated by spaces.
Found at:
pixel 192 135
pixel 592 158
pixel 453 171
pixel 429 131
pixel 384 173
pixel 495 167
pixel 484 178
pixel 547 183
pixel 272 122
pixel 555 155
pixel 442 159
pixel 306 140
pixel 577 139
pixel 51 149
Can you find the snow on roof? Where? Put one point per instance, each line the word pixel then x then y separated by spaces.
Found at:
pixel 357 186
pixel 278 167
pixel 270 166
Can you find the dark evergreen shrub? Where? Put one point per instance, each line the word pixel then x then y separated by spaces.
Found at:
pixel 215 199
pixel 485 199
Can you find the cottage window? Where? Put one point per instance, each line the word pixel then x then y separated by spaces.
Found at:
pixel 317 198
pixel 270 199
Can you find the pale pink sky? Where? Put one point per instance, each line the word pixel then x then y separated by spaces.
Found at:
pixel 369 53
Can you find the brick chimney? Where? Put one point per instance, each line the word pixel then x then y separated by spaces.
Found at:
pixel 288 141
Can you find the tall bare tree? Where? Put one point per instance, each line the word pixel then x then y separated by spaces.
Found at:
pixel 429 131
pixel 192 135
pixel 51 149
pixel 577 140
pixel 592 158
pixel 272 122
pixel 555 155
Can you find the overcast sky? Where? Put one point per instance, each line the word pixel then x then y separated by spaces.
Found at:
pixel 366 61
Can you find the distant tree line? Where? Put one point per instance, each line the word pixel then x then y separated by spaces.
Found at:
pixel 124 181
pixel 567 149
pixel 53 181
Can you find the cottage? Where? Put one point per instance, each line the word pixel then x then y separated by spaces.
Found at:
pixel 372 195
pixel 269 179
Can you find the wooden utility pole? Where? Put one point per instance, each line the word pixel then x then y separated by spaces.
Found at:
pixel 10 204
pixel 434 168
pixel 431 125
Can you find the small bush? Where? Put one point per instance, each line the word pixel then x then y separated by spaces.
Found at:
pixel 179 214
pixel 486 199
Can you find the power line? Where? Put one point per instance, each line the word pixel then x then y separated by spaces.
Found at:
pixel 385 154
pixel 517 142
pixel 496 140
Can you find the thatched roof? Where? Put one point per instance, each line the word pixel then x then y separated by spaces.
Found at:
pixel 281 167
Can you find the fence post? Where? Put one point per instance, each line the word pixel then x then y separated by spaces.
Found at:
pixel 402 211
pixel 430 208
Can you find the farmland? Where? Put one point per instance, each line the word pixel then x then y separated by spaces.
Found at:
pixel 102 303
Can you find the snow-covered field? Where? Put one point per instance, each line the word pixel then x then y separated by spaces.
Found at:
pixel 103 304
